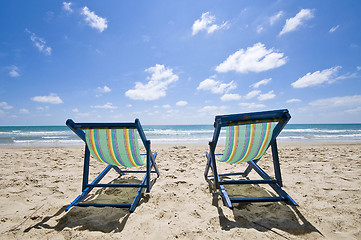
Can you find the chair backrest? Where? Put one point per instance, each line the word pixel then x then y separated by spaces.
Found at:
pixel 113 143
pixel 246 142
pixel 117 147
pixel 249 135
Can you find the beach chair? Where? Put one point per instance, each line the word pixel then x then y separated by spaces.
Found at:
pixel 248 136
pixel 115 144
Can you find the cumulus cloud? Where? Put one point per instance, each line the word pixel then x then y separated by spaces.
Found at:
pixel 216 86
pixel 231 97
pixel 43 109
pixel 67 7
pixel 262 82
pixel 345 101
pixel 52 98
pixel 108 105
pixel 24 111
pixel 181 103
pixel 94 20
pixel 14 71
pixel 252 105
pixel 212 109
pixel 166 106
pixel 252 94
pixel 317 78
pixel 293 100
pixel 275 17
pixel 156 86
pixel 5 106
pixel 266 96
pixel 334 28
pixel 254 59
pixel 39 43
pixel 104 89
pixel 353 110
pixel 259 29
pixel 206 23
pixel 293 23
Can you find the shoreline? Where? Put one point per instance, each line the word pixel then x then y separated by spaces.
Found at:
pixel 279 143
pixel 324 179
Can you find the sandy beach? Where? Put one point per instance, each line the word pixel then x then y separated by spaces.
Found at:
pixel 37 183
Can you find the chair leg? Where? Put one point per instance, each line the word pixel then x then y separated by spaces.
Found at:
pixel 213 164
pixel 276 163
pixel 249 168
pixel 154 164
pixel 207 166
pixel 88 188
pixel 86 168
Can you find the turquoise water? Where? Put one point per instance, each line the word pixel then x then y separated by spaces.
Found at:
pixel 177 134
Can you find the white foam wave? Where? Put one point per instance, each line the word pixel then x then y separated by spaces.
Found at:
pixel 310 130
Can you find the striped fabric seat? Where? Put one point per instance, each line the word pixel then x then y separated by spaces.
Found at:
pixel 117 147
pixel 246 142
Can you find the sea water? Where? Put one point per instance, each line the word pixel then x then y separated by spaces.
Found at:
pixel 177 134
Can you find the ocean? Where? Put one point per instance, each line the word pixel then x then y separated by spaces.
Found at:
pixel 177 134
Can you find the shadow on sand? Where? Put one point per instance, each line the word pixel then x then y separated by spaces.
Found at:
pixel 262 216
pixel 104 219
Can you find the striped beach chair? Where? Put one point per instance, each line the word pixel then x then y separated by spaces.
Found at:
pixel 116 145
pixel 248 136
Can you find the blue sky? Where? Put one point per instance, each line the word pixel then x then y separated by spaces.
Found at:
pixel 178 62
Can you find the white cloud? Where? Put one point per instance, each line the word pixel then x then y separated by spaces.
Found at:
pixel 262 82
pixel 334 28
pixel 259 28
pixel 14 71
pixel 231 97
pixel 75 110
pixel 94 20
pixel 157 84
pixel 353 110
pixel 166 106
pixel 212 109
pixel 293 100
pixel 46 108
pixel 5 106
pixel 346 101
pixel 206 23
pixel 181 103
pixel 252 105
pixel 317 78
pixel 298 20
pixel 267 96
pixel 358 68
pixel 252 94
pixel 104 89
pixel 216 86
pixel 108 105
pixel 67 7
pixel 254 59
pixel 39 43
pixel 52 98
pixel 24 111
pixel 275 17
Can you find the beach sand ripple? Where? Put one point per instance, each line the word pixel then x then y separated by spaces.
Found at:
pixel 37 183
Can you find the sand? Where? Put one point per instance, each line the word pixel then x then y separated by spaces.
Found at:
pixel 37 183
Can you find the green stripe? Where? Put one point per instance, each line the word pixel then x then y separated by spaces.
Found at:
pixel 119 147
pixel 244 141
